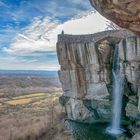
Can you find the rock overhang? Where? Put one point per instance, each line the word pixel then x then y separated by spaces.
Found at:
pixel 125 13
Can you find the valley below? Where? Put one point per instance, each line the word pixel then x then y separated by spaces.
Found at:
pixel 30 109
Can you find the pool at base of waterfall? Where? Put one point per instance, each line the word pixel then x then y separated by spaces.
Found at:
pixel 115 132
pixel 92 131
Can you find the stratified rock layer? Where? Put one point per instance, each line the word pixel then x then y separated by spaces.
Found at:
pixel 125 13
pixel 86 70
pixel 129 49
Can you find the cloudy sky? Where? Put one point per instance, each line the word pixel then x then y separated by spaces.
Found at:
pixel 29 29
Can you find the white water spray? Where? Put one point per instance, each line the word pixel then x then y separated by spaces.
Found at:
pixel 118 87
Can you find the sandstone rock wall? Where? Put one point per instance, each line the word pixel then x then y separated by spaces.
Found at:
pixel 125 13
pixel 129 49
pixel 86 71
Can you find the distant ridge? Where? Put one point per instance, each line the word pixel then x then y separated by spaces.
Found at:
pixel 27 72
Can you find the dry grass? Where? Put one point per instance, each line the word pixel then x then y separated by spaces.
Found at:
pixel 30 95
pixel 19 101
pixel 26 99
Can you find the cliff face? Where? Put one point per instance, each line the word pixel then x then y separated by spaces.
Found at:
pixel 125 13
pixel 86 72
pixel 129 49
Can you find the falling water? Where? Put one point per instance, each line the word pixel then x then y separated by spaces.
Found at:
pixel 118 87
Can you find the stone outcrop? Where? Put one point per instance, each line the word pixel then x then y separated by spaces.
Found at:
pixel 86 71
pixel 129 52
pixel 125 13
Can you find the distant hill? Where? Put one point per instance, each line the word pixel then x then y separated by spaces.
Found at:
pixel 28 72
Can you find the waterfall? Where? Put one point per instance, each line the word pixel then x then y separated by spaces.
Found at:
pixel 118 87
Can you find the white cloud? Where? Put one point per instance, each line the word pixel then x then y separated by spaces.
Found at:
pixel 3 4
pixel 36 37
pixel 89 24
pixel 14 63
pixel 41 35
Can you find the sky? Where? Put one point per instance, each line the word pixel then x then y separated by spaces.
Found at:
pixel 29 29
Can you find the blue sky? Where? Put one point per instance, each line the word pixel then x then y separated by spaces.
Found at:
pixel 29 28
